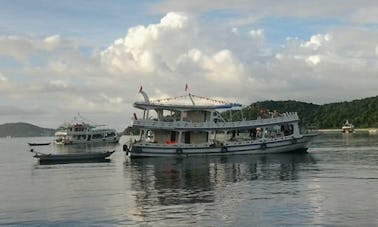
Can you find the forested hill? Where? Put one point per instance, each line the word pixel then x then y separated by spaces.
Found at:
pixel 24 130
pixel 362 113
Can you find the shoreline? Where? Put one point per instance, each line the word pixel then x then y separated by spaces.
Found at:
pixel 368 130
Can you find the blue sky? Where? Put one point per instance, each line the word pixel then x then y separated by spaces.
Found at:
pixel 58 58
pixel 98 22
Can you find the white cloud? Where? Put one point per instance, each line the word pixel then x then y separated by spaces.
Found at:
pixel 21 48
pixel 59 84
pixel 256 33
pixel 317 41
pixel 112 100
pixel 313 59
pixel 356 11
pixel 52 42
pixel 3 78
pixel 233 64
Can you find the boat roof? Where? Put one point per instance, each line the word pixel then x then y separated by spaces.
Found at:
pixel 80 121
pixel 186 102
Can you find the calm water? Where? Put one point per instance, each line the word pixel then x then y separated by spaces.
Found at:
pixel 335 183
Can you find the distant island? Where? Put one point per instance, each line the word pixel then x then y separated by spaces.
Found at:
pixel 22 129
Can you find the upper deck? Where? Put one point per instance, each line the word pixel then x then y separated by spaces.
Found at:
pixel 209 125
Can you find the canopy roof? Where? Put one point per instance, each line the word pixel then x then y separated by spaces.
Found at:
pixel 186 102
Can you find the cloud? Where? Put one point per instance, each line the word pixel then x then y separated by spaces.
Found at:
pixel 3 79
pixel 232 64
pixel 355 11
pixel 166 47
pixel 147 49
pixel 21 48
pixel 232 61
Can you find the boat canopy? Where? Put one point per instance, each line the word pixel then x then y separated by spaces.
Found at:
pixel 186 102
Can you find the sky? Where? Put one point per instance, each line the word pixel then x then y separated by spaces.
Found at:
pixel 61 58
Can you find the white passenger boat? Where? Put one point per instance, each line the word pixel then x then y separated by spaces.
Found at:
pixel 196 127
pixel 347 127
pixel 81 132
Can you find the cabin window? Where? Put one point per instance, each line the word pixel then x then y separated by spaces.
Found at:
pixel 173 136
pixel 97 136
pixel 79 137
pixel 187 137
pixel 110 134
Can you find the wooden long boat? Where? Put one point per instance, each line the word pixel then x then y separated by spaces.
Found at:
pixel 72 157
pixel 39 144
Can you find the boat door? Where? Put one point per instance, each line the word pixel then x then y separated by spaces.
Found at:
pixel 173 136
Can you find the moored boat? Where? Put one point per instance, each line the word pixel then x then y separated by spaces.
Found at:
pixel 79 131
pixel 196 127
pixel 347 127
pixel 71 157
pixel 39 144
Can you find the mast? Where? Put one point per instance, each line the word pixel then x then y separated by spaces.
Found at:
pixel 145 96
pixel 191 99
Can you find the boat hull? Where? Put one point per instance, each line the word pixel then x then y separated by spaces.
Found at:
pixel 253 147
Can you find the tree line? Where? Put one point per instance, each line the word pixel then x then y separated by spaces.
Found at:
pixel 363 113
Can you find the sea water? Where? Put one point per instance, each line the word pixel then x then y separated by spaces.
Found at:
pixel 334 183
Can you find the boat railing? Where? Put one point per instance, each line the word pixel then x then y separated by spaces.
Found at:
pixel 260 122
pixel 174 145
pixel 220 142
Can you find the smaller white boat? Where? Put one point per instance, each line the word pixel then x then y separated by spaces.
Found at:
pixel 81 132
pixel 72 157
pixel 347 127
pixel 373 131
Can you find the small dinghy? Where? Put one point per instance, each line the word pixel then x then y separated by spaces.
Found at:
pixel 72 157
pixel 39 144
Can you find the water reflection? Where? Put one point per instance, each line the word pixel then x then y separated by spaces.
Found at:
pixel 162 181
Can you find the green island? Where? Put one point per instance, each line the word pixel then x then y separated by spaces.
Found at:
pixel 363 113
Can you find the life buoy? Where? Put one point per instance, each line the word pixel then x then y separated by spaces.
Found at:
pixel 224 149
pixel 263 146
pixel 179 150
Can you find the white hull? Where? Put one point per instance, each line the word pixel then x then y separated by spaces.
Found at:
pixel 255 147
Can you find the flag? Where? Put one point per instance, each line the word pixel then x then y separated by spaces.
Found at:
pixel 141 88
pixel 186 87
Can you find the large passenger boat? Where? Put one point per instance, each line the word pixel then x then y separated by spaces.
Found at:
pixel 192 125
pixel 79 131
